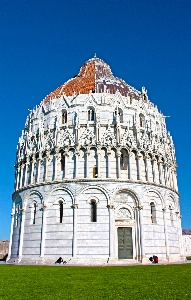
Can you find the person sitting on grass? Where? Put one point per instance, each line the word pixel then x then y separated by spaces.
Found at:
pixel 59 261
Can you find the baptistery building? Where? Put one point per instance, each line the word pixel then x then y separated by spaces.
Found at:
pixel 95 176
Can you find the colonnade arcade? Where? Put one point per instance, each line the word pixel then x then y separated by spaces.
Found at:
pixel 95 162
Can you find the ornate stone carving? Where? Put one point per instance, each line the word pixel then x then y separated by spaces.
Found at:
pixel 49 141
pixel 128 139
pixel 108 138
pixel 87 138
pixel 66 138
pixel 123 213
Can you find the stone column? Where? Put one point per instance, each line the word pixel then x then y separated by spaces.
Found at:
pixel 168 175
pixel 111 231
pixel 32 171
pixel 146 168
pixel 26 170
pixel 175 181
pixel 15 179
pixel 11 232
pixel 15 186
pixel 45 168
pixel 38 175
pixel 75 222
pixel 169 179
pixel 18 176
pixel 87 164
pixel 140 208
pixel 21 234
pixel 138 167
pixel 43 230
pixel 172 178
pixel 166 233
pixel 118 134
pixel 153 169
pixel 76 132
pixel 47 158
pixel 98 162
pixel 76 167
pixel 57 157
pixel 55 165
pixel 129 165
pixel 108 164
pixel 160 171
pixel 21 177
pixel 66 162
pixel 97 130
pixel 165 174
pixel 118 164
pixel 137 234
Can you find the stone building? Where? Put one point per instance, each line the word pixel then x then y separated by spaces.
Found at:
pixel 4 247
pixel 95 178
pixel 186 239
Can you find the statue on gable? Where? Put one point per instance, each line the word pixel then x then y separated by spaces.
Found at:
pixel 144 93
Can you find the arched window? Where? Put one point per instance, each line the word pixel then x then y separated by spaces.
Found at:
pixel 64 116
pixel 93 211
pixel 153 213
pixel 119 114
pixel 34 213
pixel 63 163
pixel 91 115
pixel 60 211
pixel 122 161
pixel 142 120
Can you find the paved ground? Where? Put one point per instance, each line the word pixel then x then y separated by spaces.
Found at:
pixel 102 265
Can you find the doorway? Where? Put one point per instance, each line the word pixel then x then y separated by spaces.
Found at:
pixel 125 243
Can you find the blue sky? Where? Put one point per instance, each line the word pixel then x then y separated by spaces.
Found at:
pixel 43 43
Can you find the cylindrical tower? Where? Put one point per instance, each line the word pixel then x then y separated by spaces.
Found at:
pixel 95 178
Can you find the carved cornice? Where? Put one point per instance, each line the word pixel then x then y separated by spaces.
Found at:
pixel 96 181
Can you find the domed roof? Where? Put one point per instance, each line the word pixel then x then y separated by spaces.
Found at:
pixel 94 76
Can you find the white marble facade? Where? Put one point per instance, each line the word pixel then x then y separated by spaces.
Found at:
pixel 95 180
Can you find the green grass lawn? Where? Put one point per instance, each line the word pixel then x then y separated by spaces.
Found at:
pixel 61 282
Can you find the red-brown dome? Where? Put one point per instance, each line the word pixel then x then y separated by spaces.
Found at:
pixel 94 76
